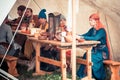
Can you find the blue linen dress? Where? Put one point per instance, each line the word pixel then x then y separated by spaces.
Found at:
pixel 98 70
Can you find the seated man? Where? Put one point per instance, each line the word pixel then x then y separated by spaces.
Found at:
pixel 30 18
pixel 44 28
pixel 14 23
pixel 5 39
pixel 29 46
pixel 20 39
pixel 20 11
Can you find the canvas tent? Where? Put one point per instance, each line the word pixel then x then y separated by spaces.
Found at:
pixel 109 12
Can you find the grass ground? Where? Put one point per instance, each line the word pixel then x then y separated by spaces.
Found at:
pixel 24 75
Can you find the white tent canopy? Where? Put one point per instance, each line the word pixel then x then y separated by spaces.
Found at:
pixel 108 9
pixel 5 9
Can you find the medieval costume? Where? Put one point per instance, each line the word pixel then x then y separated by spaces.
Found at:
pixel 5 39
pixel 99 52
pixel 29 46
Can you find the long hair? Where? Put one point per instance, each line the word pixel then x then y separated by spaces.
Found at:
pixel 96 17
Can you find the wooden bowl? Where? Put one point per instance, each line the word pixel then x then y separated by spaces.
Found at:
pixel 42 37
pixel 68 38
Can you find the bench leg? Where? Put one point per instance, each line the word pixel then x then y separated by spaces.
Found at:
pixel 12 68
pixel 115 72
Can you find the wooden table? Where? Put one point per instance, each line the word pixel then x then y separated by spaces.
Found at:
pixel 23 33
pixel 62 63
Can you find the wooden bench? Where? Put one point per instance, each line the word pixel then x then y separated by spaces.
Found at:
pixel 114 67
pixel 11 62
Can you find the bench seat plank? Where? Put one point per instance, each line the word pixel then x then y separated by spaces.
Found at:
pixel 114 67
pixel 11 62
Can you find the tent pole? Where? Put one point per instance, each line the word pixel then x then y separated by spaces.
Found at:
pixel 73 55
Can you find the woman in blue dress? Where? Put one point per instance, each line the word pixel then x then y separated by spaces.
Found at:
pixel 100 52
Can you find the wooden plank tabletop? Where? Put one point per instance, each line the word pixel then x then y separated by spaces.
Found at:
pixel 23 33
pixel 64 44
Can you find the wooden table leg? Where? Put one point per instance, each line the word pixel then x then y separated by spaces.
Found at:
pixel 37 55
pixel 37 62
pixel 89 66
pixel 115 72
pixel 12 68
pixel 36 58
pixel 63 65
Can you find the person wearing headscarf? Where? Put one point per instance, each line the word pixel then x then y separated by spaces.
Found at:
pixel 43 20
pixel 43 28
pixel 100 52
pixel 62 28
pixel 63 23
